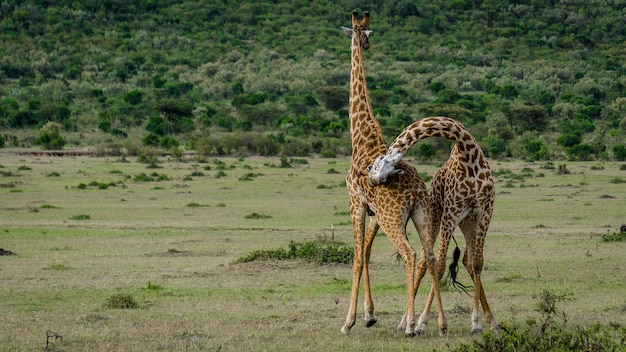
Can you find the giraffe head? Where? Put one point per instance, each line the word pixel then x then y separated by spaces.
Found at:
pixel 383 167
pixel 361 29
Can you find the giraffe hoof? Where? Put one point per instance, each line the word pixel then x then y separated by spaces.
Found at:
pixel 477 331
pixel 370 322
pixel 419 332
pixel 443 332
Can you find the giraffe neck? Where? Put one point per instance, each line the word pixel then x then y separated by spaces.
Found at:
pixel 466 146
pixel 367 138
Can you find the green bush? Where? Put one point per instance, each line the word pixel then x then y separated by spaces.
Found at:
pixel 320 251
pixel 548 334
pixel 619 152
pixel 50 136
pixel 121 301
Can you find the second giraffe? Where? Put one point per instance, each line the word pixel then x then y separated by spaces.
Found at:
pixel 462 195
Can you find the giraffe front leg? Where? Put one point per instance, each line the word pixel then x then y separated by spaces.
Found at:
pixel 370 235
pixel 357 267
pixel 358 221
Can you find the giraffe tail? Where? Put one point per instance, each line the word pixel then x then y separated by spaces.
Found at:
pixel 453 270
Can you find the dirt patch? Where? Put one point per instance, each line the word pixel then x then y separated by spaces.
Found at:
pixel 181 253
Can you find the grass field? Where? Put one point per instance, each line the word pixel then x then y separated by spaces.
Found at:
pixel 86 231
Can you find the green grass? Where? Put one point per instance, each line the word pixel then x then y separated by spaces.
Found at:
pixel 176 259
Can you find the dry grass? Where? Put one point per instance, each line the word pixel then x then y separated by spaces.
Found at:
pixel 143 240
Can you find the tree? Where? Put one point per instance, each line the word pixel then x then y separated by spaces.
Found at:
pixel 580 152
pixel 528 117
pixel 133 97
pixel 619 152
pixel 50 136
pixel 173 111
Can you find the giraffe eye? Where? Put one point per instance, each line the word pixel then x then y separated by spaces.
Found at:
pixel 369 168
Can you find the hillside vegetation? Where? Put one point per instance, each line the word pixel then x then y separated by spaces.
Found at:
pixel 531 79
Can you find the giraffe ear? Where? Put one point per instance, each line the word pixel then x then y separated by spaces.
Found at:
pixel 347 31
pixel 397 172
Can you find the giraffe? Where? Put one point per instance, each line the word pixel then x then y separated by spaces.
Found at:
pixel 462 195
pixel 390 206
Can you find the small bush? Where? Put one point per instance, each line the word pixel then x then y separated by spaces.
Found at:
pixel 53 174
pixel 548 334
pixel 614 237
pixel 121 301
pixel 319 251
pixel 249 176
pixel 617 180
pixel 284 163
pixel 257 216
pixel 562 170
pixel 50 136
pixel 81 217
pixel 152 286
pixel 142 177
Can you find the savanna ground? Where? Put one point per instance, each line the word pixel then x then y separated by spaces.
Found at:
pixel 85 231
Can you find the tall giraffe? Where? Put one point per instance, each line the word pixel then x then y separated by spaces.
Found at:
pixel 462 195
pixel 390 206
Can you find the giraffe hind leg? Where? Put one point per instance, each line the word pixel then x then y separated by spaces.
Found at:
pixel 396 232
pixel 425 229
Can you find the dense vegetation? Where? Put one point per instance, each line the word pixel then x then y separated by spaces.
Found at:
pixel 531 79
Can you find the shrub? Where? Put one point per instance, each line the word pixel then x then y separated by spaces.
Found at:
pixel 121 301
pixel 81 217
pixel 142 177
pixel 614 237
pixel 50 136
pixel 547 334
pixel 133 97
pixel 257 216
pixel 320 251
pixel 619 152
pixel 581 152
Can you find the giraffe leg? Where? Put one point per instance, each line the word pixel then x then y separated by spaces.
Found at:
pixel 397 234
pixel 428 261
pixel 479 295
pixel 422 322
pixel 358 221
pixel 437 271
pixel 473 260
pixel 410 260
pixel 370 235
pixel 475 268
